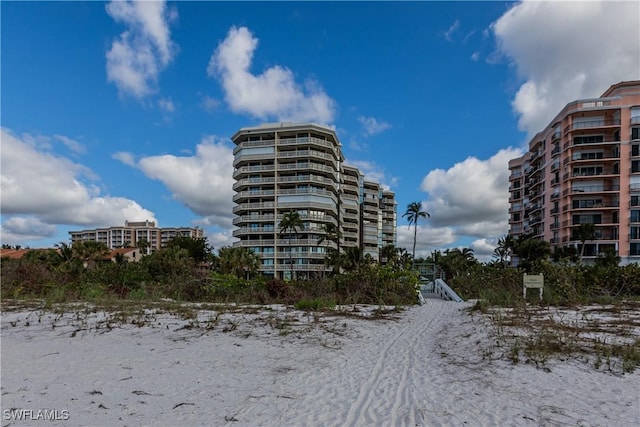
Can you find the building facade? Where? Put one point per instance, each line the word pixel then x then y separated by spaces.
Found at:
pixel 584 167
pixel 285 167
pixel 134 232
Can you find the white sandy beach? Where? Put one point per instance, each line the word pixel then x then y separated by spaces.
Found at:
pixel 282 367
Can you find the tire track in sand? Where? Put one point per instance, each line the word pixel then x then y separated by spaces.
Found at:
pixel 386 394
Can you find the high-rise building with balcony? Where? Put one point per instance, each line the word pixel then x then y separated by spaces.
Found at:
pixel 285 167
pixel 584 167
pixel 135 232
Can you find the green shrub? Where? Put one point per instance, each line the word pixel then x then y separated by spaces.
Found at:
pixel 314 304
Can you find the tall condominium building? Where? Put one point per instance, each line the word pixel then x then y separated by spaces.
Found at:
pixel 285 167
pixel 134 232
pixel 584 167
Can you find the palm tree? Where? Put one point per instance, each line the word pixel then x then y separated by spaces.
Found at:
pixel 331 234
pixel 90 251
pixel 64 251
pixel 290 223
pixel 143 245
pixel 404 258
pixel 583 233
pixel 239 261
pixel 504 249
pixel 353 258
pixel 413 213
pixel 389 255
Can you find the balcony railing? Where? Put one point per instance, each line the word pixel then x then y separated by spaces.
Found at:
pixel 305 178
pixel 306 153
pixel 583 173
pixel 247 144
pixel 595 124
pixel 599 156
pixel 306 140
pixel 595 189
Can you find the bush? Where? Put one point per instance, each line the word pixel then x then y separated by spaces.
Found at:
pixel 314 304
pixel 563 284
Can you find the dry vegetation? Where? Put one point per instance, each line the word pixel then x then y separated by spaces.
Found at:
pixel 605 336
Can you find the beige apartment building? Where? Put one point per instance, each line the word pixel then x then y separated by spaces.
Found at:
pixel 584 167
pixel 282 167
pixel 134 232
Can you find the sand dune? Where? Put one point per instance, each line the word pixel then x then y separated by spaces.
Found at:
pixel 282 367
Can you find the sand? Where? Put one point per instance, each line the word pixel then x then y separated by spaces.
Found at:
pixel 428 365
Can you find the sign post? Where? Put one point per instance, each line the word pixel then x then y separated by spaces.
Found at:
pixel 532 281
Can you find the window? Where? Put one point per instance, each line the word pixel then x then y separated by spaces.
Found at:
pixel 635 133
pixel 635 150
pixel 635 166
pixel 634 249
pixel 635 200
pixel 635 233
pixel 635 215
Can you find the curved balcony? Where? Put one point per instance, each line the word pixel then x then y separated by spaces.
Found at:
pixel 245 170
pixel 249 243
pixel 244 219
pixel 246 206
pixel 307 141
pixel 247 182
pixel 239 159
pixel 252 144
pixel 243 195
pixel 297 242
pixel 592 124
pixel 300 267
pixel 304 255
pixel 306 178
pixel 307 154
pixel 243 231
pixel 603 188
pixel 583 157
pixel 307 166
pixel 301 204
pixel 349 179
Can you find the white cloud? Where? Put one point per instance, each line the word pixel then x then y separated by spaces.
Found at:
pixel 274 93
pixel 71 144
pixel 166 105
pixel 372 126
pixel 485 228
pixel 374 172
pixel 452 29
pixel 203 182
pixel 428 238
pixel 51 189
pixel 471 198
pixel 18 230
pixel 565 51
pixel 475 56
pixel 209 104
pixel 483 249
pixel 137 57
pixel 221 239
pixel 124 157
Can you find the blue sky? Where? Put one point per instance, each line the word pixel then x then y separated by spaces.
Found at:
pixel 114 111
